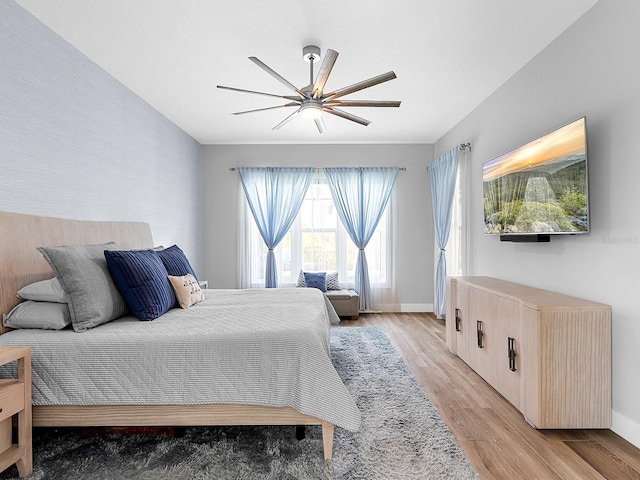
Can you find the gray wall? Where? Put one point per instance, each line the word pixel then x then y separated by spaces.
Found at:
pixel 415 224
pixel 75 143
pixel 592 70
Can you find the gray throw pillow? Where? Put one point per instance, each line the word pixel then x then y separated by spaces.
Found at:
pixel 43 315
pixel 82 271
pixel 44 291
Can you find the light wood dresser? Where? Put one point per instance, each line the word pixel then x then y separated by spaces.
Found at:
pixel 548 354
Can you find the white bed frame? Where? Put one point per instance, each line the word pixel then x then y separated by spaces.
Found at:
pixel 21 264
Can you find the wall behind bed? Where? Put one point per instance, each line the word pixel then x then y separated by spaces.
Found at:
pixel 75 143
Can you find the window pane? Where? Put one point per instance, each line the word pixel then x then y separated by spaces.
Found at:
pixel 324 214
pixel 306 213
pixel 283 259
pixel 258 256
pixel 374 257
pixel 352 258
pixel 319 251
pixel 317 210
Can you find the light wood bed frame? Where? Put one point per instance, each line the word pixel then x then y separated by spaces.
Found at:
pixel 21 264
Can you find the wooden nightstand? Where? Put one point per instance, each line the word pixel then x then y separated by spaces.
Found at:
pixel 15 399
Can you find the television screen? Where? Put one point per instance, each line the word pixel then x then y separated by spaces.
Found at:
pixel 539 188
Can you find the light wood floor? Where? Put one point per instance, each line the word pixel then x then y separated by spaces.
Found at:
pixel 494 436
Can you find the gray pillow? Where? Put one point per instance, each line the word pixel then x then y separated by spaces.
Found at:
pixel 82 271
pixel 44 315
pixel 44 291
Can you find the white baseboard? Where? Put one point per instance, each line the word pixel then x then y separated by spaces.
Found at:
pixel 416 307
pixel 386 307
pixel 404 307
pixel 626 428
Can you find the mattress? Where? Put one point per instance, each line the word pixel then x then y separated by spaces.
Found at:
pixel 266 347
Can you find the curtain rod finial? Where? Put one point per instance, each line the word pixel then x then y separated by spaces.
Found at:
pixel 464 146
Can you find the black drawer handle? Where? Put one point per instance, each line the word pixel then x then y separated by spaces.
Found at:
pixel 457 319
pixel 511 349
pixel 480 333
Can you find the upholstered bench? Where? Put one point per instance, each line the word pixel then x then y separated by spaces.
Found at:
pixel 345 302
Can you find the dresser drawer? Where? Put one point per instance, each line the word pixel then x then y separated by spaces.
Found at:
pixel 11 398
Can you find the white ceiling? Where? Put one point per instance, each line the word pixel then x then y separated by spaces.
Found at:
pixel 449 55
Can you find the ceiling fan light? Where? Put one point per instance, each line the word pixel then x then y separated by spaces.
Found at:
pixel 311 111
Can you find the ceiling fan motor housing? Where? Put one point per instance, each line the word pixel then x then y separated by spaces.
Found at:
pixel 311 51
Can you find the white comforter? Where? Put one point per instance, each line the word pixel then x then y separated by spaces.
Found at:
pixel 265 347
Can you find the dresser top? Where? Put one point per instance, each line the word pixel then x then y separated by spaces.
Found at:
pixel 531 297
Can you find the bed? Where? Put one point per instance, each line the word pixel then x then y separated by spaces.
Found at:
pixel 239 357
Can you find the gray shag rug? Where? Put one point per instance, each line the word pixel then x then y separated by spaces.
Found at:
pixel 402 436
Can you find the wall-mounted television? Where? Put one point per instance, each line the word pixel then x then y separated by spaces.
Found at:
pixel 539 189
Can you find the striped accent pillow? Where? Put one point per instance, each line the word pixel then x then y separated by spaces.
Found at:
pixel 176 262
pixel 142 280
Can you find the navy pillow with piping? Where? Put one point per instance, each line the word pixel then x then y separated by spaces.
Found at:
pixel 142 280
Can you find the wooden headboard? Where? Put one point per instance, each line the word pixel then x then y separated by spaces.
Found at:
pixel 20 235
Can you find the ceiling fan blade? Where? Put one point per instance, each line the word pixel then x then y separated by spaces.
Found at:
pixel 385 77
pixel 329 61
pixel 348 116
pixel 277 76
pixel 258 93
pixel 320 124
pixel 362 103
pixel 292 104
pixel 286 120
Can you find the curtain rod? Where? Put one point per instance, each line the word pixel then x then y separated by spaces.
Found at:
pixel 464 146
pixel 318 170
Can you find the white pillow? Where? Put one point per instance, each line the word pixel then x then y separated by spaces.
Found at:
pixel 43 315
pixel 44 291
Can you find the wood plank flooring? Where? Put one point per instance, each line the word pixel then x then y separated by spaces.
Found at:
pixel 494 436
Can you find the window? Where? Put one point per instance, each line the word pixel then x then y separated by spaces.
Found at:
pixel 456 247
pixel 317 241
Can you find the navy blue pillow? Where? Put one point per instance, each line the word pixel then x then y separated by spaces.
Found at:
pixel 316 280
pixel 142 280
pixel 176 262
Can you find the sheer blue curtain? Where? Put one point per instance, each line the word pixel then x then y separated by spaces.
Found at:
pixel 442 175
pixel 274 196
pixel 360 195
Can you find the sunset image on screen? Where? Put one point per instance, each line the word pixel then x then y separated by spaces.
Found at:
pixel 568 140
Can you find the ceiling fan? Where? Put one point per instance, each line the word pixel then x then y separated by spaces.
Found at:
pixel 311 101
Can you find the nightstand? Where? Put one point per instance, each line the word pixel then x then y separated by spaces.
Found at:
pixel 15 399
